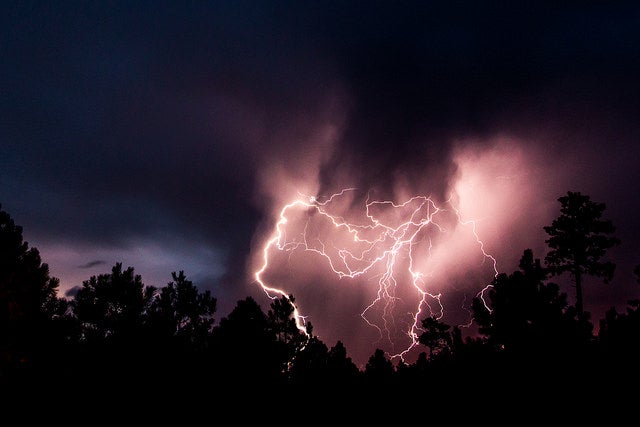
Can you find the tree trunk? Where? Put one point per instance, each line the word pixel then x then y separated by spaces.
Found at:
pixel 579 306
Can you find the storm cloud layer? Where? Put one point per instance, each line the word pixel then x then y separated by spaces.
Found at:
pixel 167 135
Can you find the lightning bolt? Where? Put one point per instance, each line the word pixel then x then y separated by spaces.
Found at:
pixel 378 241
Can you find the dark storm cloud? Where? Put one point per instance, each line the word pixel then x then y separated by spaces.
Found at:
pixel 72 292
pixel 422 76
pixel 153 119
pixel 92 263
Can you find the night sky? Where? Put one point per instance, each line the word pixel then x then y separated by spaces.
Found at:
pixel 168 135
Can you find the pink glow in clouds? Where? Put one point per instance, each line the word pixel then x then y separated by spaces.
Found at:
pixel 366 269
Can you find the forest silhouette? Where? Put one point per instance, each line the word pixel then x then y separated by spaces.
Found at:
pixel 116 330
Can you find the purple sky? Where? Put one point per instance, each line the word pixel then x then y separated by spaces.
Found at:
pixel 167 135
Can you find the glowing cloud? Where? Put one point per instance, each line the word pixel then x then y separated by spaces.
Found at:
pixel 367 267
pixel 386 241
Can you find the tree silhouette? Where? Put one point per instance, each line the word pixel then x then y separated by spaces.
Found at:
pixel 244 348
pixel 379 369
pixel 326 375
pixel 114 345
pixel 311 364
pixel 117 331
pixel 529 327
pixel 619 345
pixel 282 324
pixel 181 311
pixel 112 306
pixel 436 336
pixel 341 367
pixel 30 310
pixel 620 332
pixel 578 239
pixel 421 364
pixel 524 311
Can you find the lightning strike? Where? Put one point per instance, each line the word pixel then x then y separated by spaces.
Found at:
pixel 383 241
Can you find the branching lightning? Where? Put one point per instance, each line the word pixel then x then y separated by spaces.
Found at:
pixel 382 241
